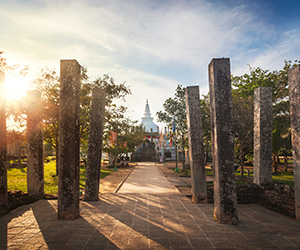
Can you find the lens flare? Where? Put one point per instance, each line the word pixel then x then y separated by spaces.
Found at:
pixel 16 87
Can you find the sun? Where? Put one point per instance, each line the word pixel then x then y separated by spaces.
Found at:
pixel 16 87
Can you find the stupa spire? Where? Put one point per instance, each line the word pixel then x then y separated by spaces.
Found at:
pixel 147 120
pixel 147 113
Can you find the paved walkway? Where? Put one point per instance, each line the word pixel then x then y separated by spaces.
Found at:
pixel 145 221
pixel 147 178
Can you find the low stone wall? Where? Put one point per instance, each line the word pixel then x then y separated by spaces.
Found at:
pixel 277 197
pixel 246 194
pixel 17 199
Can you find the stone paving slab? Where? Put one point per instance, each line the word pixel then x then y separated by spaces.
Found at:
pixel 145 221
pixel 146 178
pixel 179 182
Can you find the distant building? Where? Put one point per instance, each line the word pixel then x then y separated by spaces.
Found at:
pixel 162 146
pixel 147 121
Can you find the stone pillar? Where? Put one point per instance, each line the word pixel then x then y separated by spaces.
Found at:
pixel 262 171
pixel 69 111
pixel 35 149
pixel 225 198
pixel 3 171
pixel 294 93
pixel 195 135
pixel 93 166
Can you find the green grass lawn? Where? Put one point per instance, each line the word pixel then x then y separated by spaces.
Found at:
pixel 16 178
pixel 285 178
pixel 281 177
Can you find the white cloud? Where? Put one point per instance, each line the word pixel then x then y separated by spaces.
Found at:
pixel 129 39
pixel 273 56
pixel 177 32
pixel 287 48
pixel 143 86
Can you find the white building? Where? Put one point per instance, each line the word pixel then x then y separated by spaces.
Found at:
pixel 147 121
pixel 152 132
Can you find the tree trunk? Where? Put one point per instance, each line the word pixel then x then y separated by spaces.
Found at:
pixel 242 159
pixel 110 159
pixel 275 164
pixel 56 159
pixel 285 162
pixel 278 160
pixel 19 157
pixel 206 154
pixel 184 167
pixel 116 155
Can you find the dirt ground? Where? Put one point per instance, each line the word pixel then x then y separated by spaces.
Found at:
pixel 111 182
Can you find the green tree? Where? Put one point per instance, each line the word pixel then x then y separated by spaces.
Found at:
pixel 15 68
pixel 244 87
pixel 48 83
pixel 243 125
pixel 129 134
pixel 206 124
pixel 174 108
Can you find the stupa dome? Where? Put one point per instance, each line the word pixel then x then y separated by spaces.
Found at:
pixel 147 121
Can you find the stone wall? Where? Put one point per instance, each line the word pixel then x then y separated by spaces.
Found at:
pixel 277 197
pixel 246 194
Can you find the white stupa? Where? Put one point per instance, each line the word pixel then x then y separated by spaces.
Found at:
pixel 147 121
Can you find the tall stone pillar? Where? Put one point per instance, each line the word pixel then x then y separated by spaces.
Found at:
pixel 262 172
pixel 69 111
pixel 195 135
pixel 294 93
pixel 35 149
pixel 225 198
pixel 3 171
pixel 93 166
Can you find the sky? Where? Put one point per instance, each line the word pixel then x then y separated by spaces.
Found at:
pixel 152 45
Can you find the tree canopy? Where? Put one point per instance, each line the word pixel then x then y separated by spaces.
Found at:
pixel 243 91
pixel 48 83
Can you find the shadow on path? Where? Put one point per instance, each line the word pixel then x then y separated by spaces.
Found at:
pixel 9 231
pixel 36 225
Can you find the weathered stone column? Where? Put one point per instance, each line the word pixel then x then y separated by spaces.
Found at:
pixel 35 150
pixel 195 134
pixel 262 171
pixel 3 171
pixel 294 93
pixel 69 111
pixel 225 199
pixel 93 166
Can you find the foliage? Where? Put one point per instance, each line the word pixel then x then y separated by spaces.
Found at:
pixel 243 90
pixel 14 136
pixel 48 83
pixel 206 124
pixel 174 108
pixel 129 134
pixel 205 118
pixel 243 125
pixel 15 68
